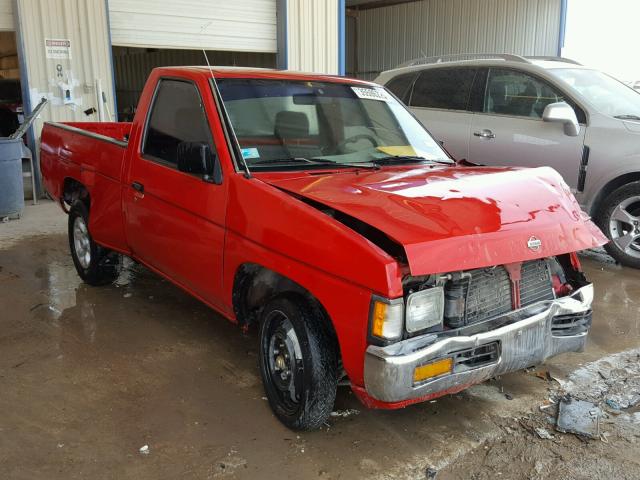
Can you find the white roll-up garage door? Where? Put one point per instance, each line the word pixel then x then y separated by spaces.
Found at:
pixel 6 15
pixel 231 25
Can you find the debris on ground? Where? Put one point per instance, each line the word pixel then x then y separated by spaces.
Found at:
pixel 579 417
pixel 614 380
pixel 543 433
pixel 345 413
pixel 431 473
pixel 612 404
pixel 547 404
pixel 541 374
pixel 144 450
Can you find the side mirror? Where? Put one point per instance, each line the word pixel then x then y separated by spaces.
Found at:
pixel 198 159
pixel 561 112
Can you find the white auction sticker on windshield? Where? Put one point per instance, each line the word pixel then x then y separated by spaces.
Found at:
pixel 371 93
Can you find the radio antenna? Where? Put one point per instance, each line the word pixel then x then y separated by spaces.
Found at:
pixel 223 110
pixel 204 51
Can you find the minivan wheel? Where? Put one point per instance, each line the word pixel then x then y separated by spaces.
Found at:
pixel 619 219
pixel 298 363
pixel 96 265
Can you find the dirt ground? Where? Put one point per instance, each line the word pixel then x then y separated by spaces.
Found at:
pixel 90 376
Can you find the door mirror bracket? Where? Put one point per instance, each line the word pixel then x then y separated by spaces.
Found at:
pixel 198 159
pixel 561 112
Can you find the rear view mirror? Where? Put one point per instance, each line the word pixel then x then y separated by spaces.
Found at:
pixel 305 99
pixel 198 158
pixel 561 112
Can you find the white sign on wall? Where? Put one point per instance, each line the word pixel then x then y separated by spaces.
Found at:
pixel 58 48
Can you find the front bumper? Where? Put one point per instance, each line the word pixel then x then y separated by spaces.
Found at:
pixel 517 340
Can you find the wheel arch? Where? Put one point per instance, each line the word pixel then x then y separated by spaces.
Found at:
pixel 610 187
pixel 254 285
pixel 73 190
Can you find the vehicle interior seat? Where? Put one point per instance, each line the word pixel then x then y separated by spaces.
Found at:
pixel 523 103
pixel 497 98
pixel 291 127
pixel 292 131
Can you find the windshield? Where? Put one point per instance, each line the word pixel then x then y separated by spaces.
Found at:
pixel 606 94
pixel 284 122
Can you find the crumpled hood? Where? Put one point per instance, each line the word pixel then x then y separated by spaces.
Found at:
pixel 458 218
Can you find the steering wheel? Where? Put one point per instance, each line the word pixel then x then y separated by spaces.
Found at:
pixel 354 138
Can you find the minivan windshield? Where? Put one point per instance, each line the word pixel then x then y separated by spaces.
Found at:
pixel 605 93
pixel 285 123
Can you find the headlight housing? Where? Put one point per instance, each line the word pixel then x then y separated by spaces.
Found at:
pixel 425 309
pixel 386 319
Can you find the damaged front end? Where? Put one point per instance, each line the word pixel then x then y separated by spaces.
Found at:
pixel 479 324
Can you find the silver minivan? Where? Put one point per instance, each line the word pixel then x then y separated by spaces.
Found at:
pixel 536 111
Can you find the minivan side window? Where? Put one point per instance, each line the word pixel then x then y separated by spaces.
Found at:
pixel 177 115
pixel 445 88
pixel 517 94
pixel 400 86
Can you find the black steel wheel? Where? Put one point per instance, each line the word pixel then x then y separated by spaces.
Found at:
pixel 298 363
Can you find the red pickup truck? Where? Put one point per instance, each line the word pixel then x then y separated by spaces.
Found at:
pixel 319 209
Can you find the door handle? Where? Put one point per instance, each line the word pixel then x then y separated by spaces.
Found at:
pixel 485 134
pixel 138 187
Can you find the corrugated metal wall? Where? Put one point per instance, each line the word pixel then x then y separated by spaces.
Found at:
pixel 312 30
pixel 133 65
pixel 246 26
pixel 84 23
pixel 389 36
pixel 6 15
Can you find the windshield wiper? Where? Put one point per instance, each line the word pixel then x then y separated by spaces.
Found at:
pixel 273 161
pixel 400 159
pixel 627 117
pixel 323 162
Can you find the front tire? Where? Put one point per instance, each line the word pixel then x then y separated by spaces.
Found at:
pixel 619 219
pixel 96 265
pixel 298 363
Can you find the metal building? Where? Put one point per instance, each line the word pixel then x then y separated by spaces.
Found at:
pixel 383 37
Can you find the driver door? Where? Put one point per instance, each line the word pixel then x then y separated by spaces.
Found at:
pixel 175 220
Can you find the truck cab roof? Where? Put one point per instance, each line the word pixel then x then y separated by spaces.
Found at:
pixel 262 73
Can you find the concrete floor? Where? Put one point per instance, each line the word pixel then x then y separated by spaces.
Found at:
pixel 88 376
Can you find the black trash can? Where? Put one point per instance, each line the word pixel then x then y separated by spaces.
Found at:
pixel 11 182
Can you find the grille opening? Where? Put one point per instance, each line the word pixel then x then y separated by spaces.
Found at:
pixel 536 283
pixel 487 293
pixel 476 357
pixel 571 324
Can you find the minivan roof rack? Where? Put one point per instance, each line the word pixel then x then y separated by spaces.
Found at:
pixel 553 59
pixel 457 57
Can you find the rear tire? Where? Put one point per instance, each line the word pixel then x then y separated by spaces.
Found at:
pixel 619 219
pixel 298 363
pixel 96 265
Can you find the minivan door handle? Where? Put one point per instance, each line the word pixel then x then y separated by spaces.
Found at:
pixel 485 134
pixel 138 187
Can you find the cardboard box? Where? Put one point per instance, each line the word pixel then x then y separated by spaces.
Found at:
pixel 10 73
pixel 9 62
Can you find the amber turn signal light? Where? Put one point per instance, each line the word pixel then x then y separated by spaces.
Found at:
pixel 433 369
pixel 387 319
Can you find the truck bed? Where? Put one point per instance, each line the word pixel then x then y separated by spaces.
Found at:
pixel 94 153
